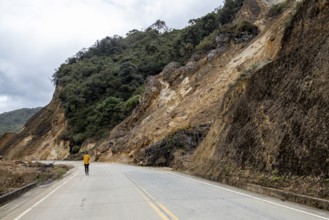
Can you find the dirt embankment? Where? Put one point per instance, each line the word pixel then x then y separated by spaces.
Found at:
pixel 273 126
pixel 16 174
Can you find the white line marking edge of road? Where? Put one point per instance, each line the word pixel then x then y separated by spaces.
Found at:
pixel 252 197
pixel 44 198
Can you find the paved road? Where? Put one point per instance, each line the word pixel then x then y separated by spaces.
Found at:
pixel 114 191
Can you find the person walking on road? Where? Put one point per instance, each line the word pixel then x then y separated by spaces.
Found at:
pixel 86 161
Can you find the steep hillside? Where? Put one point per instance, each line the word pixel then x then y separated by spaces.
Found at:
pixel 14 121
pixel 188 97
pixel 265 99
pixel 276 120
pixel 40 138
pixel 98 87
pixel 101 85
pixel 245 101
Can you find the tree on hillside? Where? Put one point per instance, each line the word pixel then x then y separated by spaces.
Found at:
pixel 14 121
pixel 100 86
pixel 229 10
pixel 160 26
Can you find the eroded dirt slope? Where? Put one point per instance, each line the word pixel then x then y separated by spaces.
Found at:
pixel 276 120
pixel 191 96
pixel 40 138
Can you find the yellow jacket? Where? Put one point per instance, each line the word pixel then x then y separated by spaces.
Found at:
pixel 86 159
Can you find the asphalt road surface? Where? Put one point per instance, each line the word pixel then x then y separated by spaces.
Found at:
pixel 114 191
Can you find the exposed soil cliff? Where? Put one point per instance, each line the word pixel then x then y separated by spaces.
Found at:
pixel 40 139
pixel 276 120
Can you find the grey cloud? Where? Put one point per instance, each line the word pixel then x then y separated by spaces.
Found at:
pixel 36 40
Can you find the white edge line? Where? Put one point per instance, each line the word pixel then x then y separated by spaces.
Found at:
pixel 243 194
pixel 44 198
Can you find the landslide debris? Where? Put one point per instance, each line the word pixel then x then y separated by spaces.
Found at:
pixel 16 174
pixel 172 150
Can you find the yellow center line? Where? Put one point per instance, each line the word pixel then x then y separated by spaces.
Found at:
pixel 154 206
pixel 159 208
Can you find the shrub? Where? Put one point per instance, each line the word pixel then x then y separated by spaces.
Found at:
pixel 130 104
pixel 277 9
pixel 229 10
pixel 207 43
pixel 60 171
pixel 75 149
pixel 245 26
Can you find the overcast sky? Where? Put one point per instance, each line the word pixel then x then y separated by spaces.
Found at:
pixel 39 35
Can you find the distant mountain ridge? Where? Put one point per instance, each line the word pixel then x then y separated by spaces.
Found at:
pixel 14 121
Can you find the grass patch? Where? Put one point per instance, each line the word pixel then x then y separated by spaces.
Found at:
pixel 60 171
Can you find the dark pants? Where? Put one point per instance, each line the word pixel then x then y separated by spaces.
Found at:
pixel 87 168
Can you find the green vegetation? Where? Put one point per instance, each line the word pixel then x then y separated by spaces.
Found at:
pixel 14 121
pixel 277 9
pixel 60 171
pixel 75 149
pixel 101 85
pixel 47 173
pixel 246 27
pixel 273 180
